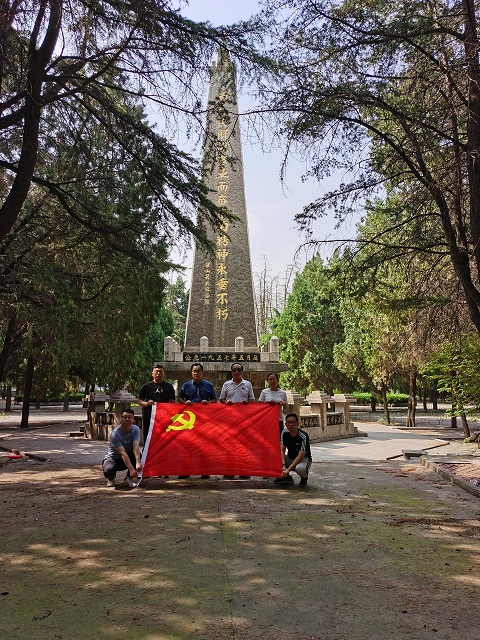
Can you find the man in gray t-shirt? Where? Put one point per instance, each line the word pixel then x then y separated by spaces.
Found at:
pixel 123 451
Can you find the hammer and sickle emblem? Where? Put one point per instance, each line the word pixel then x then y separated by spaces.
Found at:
pixel 184 422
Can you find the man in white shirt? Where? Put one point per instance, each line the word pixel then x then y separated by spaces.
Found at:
pixel 237 389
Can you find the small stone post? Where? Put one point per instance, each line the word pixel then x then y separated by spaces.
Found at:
pixel 342 403
pixel 318 401
pixel 295 400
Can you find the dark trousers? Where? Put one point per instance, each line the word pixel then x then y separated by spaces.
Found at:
pixel 110 466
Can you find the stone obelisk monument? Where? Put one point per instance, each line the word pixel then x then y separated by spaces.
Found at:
pixel 221 302
pixel 221 325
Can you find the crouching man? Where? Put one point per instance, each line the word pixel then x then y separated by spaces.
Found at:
pixel 295 449
pixel 124 451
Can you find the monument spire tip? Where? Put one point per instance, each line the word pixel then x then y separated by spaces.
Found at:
pixel 223 59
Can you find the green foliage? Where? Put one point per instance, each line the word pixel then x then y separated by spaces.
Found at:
pixel 74 398
pixel 454 369
pixel 396 399
pixel 396 306
pixel 151 351
pixel 363 397
pixel 102 63
pixel 177 298
pixel 86 303
pixel 308 329
pixel 93 194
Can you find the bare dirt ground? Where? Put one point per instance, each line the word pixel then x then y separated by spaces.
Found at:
pixel 367 552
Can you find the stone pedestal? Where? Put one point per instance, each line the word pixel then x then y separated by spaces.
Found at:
pixel 318 401
pixel 216 362
pixel 123 400
pixel 96 406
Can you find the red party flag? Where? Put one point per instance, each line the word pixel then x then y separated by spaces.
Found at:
pixel 213 439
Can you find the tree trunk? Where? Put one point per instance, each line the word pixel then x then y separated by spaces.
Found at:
pixel 453 421
pixel 38 59
pixel 412 396
pixel 386 412
pixel 8 398
pixel 434 400
pixel 424 400
pixel 473 124
pixel 466 430
pixel 66 401
pixel 12 339
pixel 27 392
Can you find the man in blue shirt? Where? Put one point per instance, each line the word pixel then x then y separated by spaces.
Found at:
pixel 197 389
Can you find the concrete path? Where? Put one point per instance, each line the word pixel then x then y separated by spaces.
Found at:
pixel 48 437
pixel 380 443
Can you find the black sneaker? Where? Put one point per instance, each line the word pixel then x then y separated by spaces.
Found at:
pixel 183 477
pixel 228 477
pixel 286 480
pixel 244 477
pixel 303 482
pixel 205 477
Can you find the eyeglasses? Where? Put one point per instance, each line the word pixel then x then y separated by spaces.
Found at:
pixel 291 422
pixel 236 370
pixel 129 417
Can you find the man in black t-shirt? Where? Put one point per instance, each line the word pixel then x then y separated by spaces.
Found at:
pixel 296 454
pixel 157 391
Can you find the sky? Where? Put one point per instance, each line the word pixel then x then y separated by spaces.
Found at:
pixel 271 204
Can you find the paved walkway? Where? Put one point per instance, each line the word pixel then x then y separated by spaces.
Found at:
pixel 48 436
pixel 380 442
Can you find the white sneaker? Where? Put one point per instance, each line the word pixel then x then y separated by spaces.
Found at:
pixel 128 482
pixel 111 483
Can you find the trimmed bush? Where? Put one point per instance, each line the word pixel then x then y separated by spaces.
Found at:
pixel 362 397
pixel 394 399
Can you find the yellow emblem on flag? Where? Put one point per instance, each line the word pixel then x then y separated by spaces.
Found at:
pixel 184 422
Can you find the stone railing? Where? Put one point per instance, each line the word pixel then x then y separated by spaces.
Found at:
pixel 322 416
